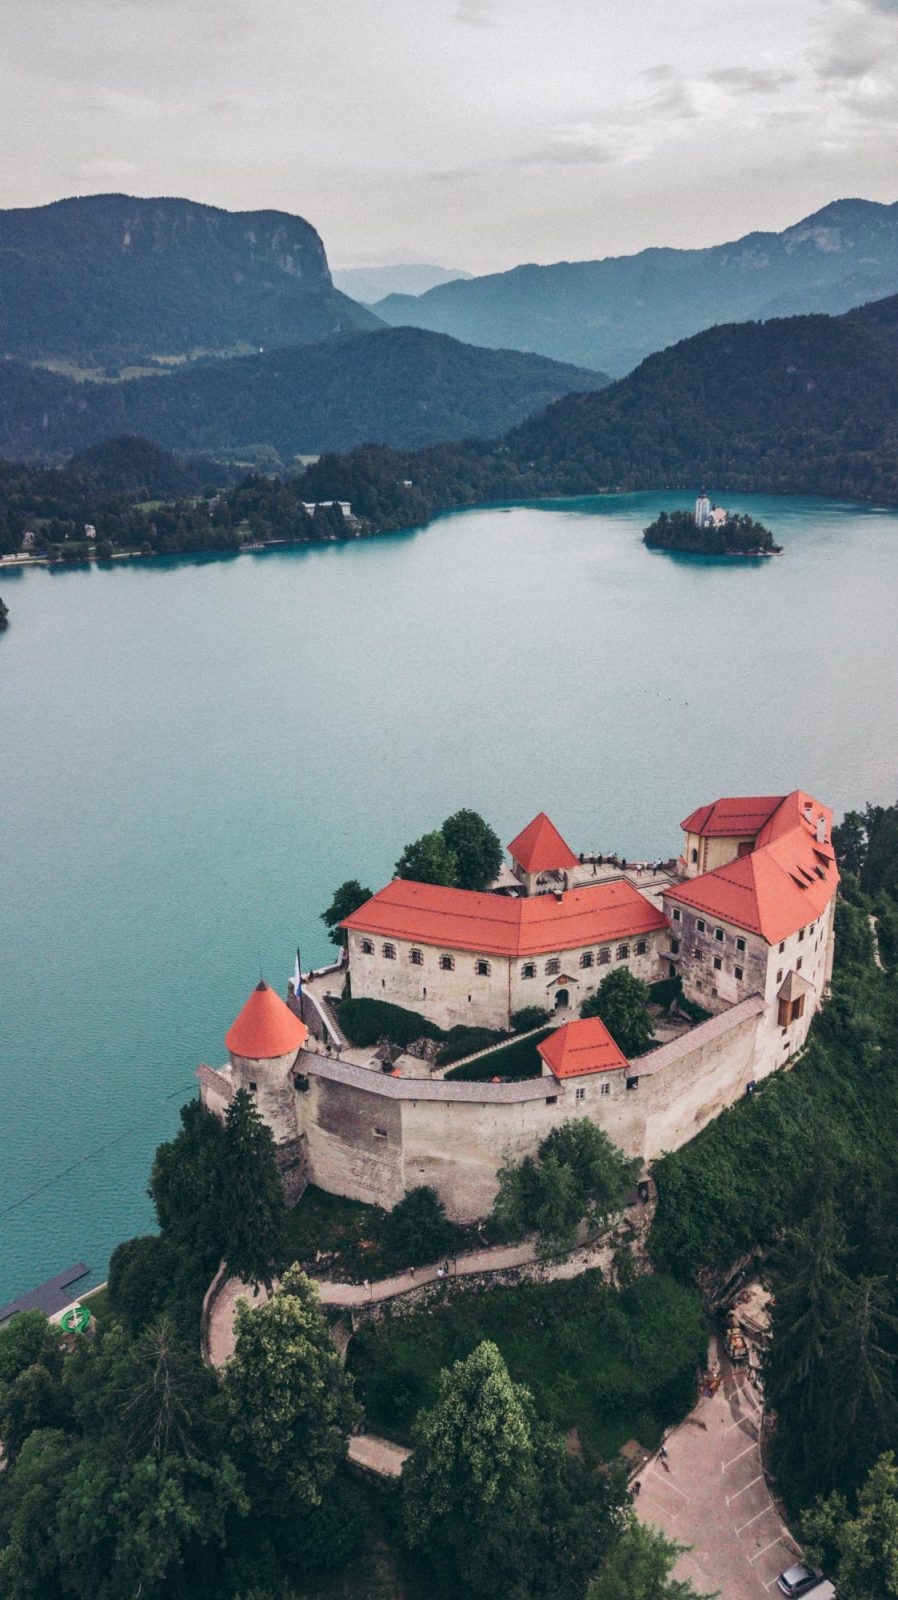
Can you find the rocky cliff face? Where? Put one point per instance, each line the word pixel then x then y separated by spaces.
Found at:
pixel 111 280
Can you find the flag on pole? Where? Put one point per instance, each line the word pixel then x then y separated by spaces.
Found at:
pixel 297 976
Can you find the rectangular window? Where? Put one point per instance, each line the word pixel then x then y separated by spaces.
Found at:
pixel 779 976
pixel 798 964
pixel 697 954
pixel 700 924
pixel 580 1094
pixel 675 947
pixel 551 1099
pixel 623 952
pixel 605 1089
pixel 604 957
pixel 782 946
pixel 718 963
pixel 800 935
pixel 718 934
pixel 586 959
pixel 640 947
pixel 740 944
pixel 676 913
pixel 738 974
pixel 380 1133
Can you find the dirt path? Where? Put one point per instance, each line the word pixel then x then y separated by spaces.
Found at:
pixel 713 1495
pixel 495 1259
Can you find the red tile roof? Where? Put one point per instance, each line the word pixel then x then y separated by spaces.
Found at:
pixel 731 818
pixel 581 1047
pixel 784 883
pixel 492 924
pixel 540 847
pixel 265 1028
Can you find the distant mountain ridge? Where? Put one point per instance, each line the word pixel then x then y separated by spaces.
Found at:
pixel 612 313
pixel 112 280
pixel 398 386
pixel 368 284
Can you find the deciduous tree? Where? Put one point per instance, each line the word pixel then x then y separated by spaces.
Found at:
pixel 476 848
pixel 347 899
pixel 428 860
pixel 622 1002
pixel 290 1400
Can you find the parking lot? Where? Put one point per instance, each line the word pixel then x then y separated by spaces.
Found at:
pixel 711 1494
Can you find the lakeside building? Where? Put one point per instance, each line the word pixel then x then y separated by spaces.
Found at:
pixel 744 917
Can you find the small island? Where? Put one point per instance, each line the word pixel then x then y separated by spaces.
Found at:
pixel 4 616
pixel 711 531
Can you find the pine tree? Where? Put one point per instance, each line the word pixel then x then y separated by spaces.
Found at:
pixel 252 1195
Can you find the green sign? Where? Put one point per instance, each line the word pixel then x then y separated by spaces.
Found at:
pixel 75 1320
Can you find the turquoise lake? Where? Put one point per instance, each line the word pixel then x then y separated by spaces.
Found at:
pixel 196 752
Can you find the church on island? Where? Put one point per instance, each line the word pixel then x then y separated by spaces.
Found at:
pixel 743 917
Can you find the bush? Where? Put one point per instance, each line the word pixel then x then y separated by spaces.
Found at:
pixel 418 1230
pixel 578 1174
pixel 528 1018
pixel 141 1276
pixel 665 991
pixel 365 1022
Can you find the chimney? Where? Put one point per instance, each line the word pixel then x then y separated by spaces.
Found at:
pixel 821 829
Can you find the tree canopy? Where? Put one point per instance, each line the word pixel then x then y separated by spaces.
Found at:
pixel 347 899
pixel 428 860
pixel 476 848
pixel 622 1003
pixel 578 1176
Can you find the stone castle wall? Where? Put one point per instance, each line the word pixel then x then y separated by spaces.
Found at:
pixel 374 1138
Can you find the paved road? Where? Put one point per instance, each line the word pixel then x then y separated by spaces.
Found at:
pixel 714 1496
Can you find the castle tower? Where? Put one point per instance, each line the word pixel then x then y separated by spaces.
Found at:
pixel 540 850
pixel 263 1044
pixel 702 509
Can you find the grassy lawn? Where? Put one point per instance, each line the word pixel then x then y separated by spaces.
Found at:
pixel 612 1365
pixel 516 1060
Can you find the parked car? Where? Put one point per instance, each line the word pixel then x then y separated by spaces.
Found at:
pixel 800 1580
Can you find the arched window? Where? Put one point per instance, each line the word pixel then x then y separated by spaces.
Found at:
pixel 447 963
pixel 586 959
pixel 416 958
pixel 553 965
pixel 367 947
pixel 528 970
pixel 482 968
pixel 389 952
pixel 623 952
pixel 694 856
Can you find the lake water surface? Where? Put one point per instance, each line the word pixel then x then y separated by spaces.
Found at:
pixel 195 754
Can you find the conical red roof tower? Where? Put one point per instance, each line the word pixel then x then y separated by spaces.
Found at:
pixel 265 1028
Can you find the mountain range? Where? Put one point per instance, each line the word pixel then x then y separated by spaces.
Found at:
pixel 611 313
pixel 399 386
pixel 375 283
pixel 110 281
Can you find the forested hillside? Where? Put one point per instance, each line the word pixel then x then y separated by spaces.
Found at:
pixel 398 386
pixel 110 280
pixel 612 313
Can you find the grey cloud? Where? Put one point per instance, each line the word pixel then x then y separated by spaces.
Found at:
pixel 475 13
pixel 751 80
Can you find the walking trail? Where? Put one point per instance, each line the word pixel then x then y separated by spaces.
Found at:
pixel 494 1259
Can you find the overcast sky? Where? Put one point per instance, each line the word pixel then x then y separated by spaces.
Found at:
pixel 472 133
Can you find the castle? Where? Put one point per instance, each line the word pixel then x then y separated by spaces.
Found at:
pixel 743 917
